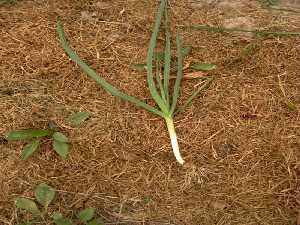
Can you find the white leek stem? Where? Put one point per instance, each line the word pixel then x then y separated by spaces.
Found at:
pixel 173 137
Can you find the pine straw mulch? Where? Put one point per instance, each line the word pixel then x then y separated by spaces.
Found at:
pixel 241 141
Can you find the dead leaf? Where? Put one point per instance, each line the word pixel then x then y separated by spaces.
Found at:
pixel 194 75
pixel 86 15
pixel 103 5
pixel 186 66
pixel 218 205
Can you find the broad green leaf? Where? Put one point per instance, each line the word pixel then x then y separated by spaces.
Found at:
pixel 28 205
pixel 203 66
pixel 60 137
pixel 27 134
pixel 44 194
pixel 77 118
pixel 139 66
pixel 61 148
pixel 95 222
pixel 86 214
pixel 186 51
pixel 58 219
pixel 29 149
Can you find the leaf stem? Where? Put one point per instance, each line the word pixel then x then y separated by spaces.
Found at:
pixel 173 137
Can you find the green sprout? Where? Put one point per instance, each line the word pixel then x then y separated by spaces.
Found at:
pixel 166 101
pixel 60 142
pixel 44 195
pixel 34 138
pixel 38 208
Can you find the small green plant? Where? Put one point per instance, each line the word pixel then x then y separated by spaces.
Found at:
pixel 38 208
pixel 44 195
pixel 159 88
pixel 85 216
pixel 35 137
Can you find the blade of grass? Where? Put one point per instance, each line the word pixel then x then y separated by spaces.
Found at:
pixel 194 95
pixel 153 90
pixel 179 75
pixel 102 82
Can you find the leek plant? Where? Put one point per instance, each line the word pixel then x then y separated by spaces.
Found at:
pixel 159 89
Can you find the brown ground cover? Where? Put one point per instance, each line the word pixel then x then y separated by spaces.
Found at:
pixel 240 139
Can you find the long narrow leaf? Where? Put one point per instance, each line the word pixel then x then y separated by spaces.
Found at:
pixel 159 81
pixel 194 95
pixel 157 98
pixel 27 134
pixel 102 82
pixel 179 74
pixel 167 60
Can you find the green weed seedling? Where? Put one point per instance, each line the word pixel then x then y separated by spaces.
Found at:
pixel 34 138
pixel 44 195
pixel 164 96
pixel 85 216
pixel 38 208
